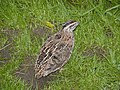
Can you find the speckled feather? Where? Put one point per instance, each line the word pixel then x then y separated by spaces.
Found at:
pixel 55 52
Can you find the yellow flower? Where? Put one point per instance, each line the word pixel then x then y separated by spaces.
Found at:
pixel 49 24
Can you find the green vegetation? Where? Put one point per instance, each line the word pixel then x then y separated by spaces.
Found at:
pixel 95 61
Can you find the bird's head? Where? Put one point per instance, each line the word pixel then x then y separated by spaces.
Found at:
pixel 70 26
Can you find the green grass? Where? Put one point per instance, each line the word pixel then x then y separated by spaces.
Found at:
pixel 95 17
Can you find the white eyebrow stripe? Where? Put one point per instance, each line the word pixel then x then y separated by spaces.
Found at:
pixel 69 25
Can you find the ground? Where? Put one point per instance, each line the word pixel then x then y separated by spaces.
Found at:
pixel 95 61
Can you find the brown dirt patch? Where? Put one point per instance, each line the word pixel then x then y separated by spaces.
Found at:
pixel 93 50
pixel 6 45
pixel 108 32
pixel 26 73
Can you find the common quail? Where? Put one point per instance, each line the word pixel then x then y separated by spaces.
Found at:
pixel 56 51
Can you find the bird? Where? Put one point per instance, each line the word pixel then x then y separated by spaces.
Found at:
pixel 56 50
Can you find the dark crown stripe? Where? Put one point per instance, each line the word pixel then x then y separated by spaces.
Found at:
pixel 67 23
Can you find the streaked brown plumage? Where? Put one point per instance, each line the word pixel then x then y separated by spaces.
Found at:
pixel 56 50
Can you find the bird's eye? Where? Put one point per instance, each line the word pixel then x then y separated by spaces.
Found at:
pixel 71 26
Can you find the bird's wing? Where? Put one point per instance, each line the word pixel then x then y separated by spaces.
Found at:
pixel 53 55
